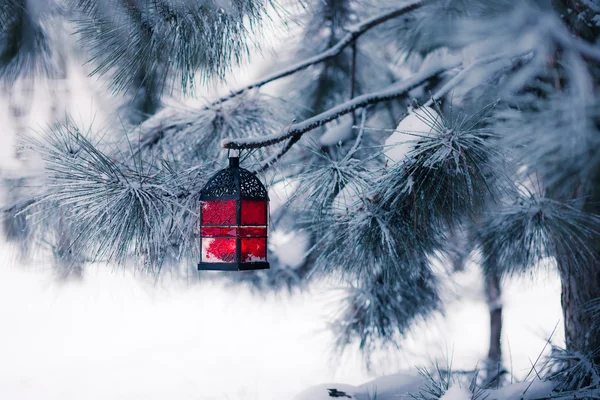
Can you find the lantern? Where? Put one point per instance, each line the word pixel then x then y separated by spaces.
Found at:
pixel 233 221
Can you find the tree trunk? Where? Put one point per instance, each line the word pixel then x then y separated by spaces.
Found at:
pixel 459 247
pixel 493 294
pixel 579 288
pixel 581 285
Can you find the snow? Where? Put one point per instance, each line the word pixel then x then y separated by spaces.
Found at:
pixel 290 248
pixel 254 258
pixel 327 391
pixel 401 386
pixel 389 387
pixel 529 390
pixel 337 133
pixel 456 392
pixel 462 337
pixel 279 194
pixel 416 124
pixel 117 336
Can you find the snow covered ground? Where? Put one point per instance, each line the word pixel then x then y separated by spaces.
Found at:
pixel 116 336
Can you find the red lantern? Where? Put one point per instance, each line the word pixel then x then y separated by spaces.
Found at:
pixel 233 221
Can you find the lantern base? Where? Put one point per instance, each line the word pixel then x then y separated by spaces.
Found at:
pixel 232 266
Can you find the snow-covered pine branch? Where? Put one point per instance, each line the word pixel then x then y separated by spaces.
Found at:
pixel 534 232
pixel 166 39
pixel 163 119
pixel 117 208
pixel 300 128
pixel 294 131
pixel 464 73
pixel 190 135
pixel 28 40
pixel 353 34
pixel 563 37
pixel 377 313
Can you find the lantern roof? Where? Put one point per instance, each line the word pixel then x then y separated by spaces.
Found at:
pixel 234 183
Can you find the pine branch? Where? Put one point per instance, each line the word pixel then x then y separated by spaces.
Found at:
pixel 353 34
pixel 377 312
pixel 189 135
pixel 523 236
pixel 166 40
pixel 26 36
pixel 458 78
pixel 574 372
pixel 563 37
pixel 114 206
pixel 298 129
pixel 16 207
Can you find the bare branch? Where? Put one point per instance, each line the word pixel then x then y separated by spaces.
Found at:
pixel 353 34
pixel 298 129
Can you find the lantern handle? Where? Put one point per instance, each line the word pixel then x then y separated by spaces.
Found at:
pixel 234 160
pixel 236 153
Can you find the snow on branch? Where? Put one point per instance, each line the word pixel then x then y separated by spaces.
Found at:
pixel 300 128
pixel 353 34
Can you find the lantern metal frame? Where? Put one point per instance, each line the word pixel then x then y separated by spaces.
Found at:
pixel 235 183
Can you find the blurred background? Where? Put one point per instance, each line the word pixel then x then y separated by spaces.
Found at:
pixel 109 332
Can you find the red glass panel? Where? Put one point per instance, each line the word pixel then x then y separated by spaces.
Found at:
pixel 246 231
pixel 254 249
pixel 254 212
pixel 232 232
pixel 218 212
pixel 218 250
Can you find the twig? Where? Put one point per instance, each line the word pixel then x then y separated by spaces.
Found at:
pixel 274 158
pixel 458 78
pixel 18 206
pixel 298 129
pixel 353 34
pixel 353 79
pixel 354 149
pixel 542 352
pixel 538 359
